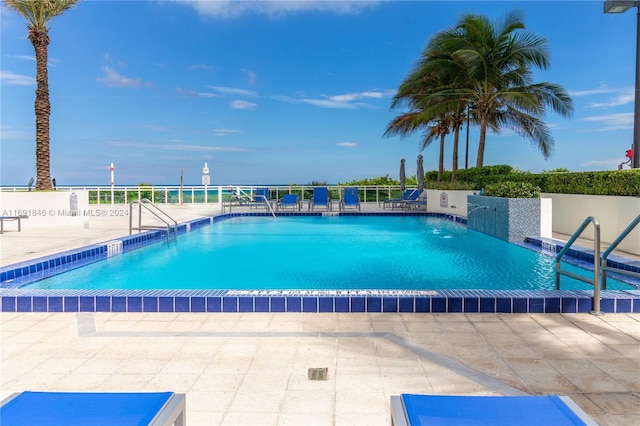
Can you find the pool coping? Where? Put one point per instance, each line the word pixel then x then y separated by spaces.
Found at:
pixel 14 299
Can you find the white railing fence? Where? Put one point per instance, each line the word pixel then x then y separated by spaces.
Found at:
pixel 210 194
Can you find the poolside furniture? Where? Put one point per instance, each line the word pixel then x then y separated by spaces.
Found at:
pixel 93 408
pixel 416 410
pixel 289 200
pixel 320 198
pixel 260 198
pixel 10 218
pixel 417 204
pixel 408 195
pixel 350 199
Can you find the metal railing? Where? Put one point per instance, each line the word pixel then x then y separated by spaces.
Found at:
pixel 595 282
pixel 199 194
pixel 157 212
pixel 612 247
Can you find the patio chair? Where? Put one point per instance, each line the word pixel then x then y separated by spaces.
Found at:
pixel 10 218
pixel 350 199
pixel 320 198
pixel 93 408
pixel 416 410
pixel 289 200
pixel 408 195
pixel 260 198
pixel 417 203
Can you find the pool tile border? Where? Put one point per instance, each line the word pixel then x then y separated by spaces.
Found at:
pixel 14 299
pixel 446 301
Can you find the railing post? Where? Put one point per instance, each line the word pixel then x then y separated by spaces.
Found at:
pixel 596 269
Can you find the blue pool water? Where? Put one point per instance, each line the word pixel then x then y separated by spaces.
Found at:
pixel 325 253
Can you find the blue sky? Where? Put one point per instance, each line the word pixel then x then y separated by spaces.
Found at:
pixel 285 92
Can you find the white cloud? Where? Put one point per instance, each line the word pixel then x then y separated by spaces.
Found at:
pixel 252 77
pixel 242 105
pixel 626 96
pixel 232 91
pixel 113 79
pixel 11 79
pixel 603 164
pixel 187 93
pixel 600 90
pixel 345 101
pixel 225 132
pixel 347 144
pixel 355 96
pixel 24 57
pixel 11 133
pixel 234 9
pixel 621 121
pixel 200 67
pixel 328 103
pixel 175 147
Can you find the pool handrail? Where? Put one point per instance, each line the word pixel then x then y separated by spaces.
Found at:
pixel 158 213
pixel 595 282
pixel 607 252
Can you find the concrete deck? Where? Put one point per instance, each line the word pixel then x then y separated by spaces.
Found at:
pixel 251 369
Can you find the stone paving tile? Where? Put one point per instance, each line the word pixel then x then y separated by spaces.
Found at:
pixel 261 379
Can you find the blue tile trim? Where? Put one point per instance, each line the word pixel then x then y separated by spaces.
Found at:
pixel 470 301
pixel 14 299
pixel 294 304
pixel 87 304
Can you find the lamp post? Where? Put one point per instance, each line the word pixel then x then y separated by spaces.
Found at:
pixel 621 6
pixel 181 196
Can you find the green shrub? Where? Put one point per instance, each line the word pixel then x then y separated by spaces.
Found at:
pixel 451 186
pixel 512 190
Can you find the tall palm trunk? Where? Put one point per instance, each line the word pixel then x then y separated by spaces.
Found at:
pixel 40 40
pixel 454 165
pixel 441 159
pixel 483 137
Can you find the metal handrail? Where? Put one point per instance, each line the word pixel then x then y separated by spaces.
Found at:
pixel 608 251
pixel 266 201
pixel 166 219
pixel 595 282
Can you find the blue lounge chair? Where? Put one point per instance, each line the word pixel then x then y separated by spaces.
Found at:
pixel 289 200
pixel 320 198
pixel 260 198
pixel 417 410
pixel 89 408
pixel 409 195
pixel 350 199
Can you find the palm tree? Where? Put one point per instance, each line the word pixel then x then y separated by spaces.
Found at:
pixel 417 87
pixel 38 13
pixel 498 62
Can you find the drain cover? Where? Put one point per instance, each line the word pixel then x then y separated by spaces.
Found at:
pixel 318 373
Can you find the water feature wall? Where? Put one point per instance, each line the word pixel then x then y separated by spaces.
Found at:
pixel 510 219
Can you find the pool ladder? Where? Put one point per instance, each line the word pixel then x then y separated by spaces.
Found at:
pixel 169 222
pixel 600 266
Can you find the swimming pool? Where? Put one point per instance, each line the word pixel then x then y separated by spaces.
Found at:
pixel 324 253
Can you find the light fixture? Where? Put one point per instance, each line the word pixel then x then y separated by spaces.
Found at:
pixel 619 6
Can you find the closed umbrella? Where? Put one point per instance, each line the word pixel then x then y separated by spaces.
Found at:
pixel 420 174
pixel 403 177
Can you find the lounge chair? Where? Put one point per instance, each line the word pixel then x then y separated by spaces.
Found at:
pixel 416 410
pixel 320 198
pixel 417 203
pixel 409 195
pixel 350 199
pixel 89 408
pixel 289 200
pixel 260 198
pixel 10 218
